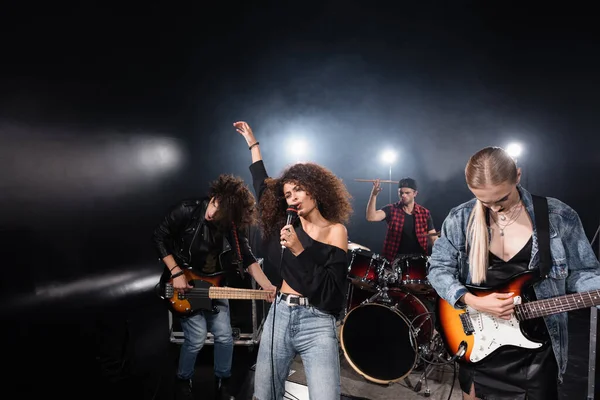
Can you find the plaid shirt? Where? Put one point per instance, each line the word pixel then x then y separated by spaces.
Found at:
pixel 395 223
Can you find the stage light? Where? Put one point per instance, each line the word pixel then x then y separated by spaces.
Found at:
pixel 158 154
pixel 388 157
pixel 108 285
pixel 514 149
pixel 297 148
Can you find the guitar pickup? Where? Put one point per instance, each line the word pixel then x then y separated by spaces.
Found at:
pixel 467 325
pixel 169 291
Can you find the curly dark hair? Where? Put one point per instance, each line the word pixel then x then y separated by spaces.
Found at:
pixel 329 192
pixel 236 202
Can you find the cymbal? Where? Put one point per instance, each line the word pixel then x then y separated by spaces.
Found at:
pixel 356 246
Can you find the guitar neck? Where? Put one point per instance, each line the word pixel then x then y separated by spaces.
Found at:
pixel 237 294
pixel 569 302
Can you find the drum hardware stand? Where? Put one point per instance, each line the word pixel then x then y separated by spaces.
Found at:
pixel 373 258
pixel 425 374
pixel 382 292
pixel 440 356
pixel 593 332
pixel 349 293
pixel 387 276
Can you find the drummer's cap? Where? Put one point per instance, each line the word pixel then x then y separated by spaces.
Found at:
pixel 407 183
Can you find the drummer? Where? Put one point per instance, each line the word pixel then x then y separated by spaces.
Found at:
pixel 410 229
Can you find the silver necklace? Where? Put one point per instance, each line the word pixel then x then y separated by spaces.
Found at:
pixel 513 215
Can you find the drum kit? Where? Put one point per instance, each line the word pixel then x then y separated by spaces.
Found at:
pixel 388 328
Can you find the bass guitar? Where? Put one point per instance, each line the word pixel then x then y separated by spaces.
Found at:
pixel 205 288
pixel 477 335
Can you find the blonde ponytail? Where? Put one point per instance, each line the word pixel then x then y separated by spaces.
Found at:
pixel 477 243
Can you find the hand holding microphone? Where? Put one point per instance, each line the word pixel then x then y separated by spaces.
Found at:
pixel 289 239
pixel 287 235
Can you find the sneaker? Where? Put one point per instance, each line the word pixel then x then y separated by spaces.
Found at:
pixel 183 389
pixel 222 389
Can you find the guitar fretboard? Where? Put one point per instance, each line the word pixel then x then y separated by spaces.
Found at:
pixel 237 294
pixel 569 302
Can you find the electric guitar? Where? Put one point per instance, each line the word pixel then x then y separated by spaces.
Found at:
pixel 472 335
pixel 205 289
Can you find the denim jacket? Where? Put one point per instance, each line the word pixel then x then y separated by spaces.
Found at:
pixel 575 267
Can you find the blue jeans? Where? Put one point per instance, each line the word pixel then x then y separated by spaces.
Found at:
pixel 298 330
pixel 195 329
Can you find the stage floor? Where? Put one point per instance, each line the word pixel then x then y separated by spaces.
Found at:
pixel 353 385
pixel 124 352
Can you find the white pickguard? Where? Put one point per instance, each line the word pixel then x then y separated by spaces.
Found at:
pixel 492 332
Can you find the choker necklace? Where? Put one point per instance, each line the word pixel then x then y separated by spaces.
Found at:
pixel 510 213
pixel 513 216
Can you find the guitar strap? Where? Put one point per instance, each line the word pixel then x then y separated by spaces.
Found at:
pixel 238 251
pixel 542 224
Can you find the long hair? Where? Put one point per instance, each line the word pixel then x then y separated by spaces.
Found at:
pixel 489 166
pixel 237 205
pixel 328 191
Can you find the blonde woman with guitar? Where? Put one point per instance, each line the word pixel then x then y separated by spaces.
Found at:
pixel 502 267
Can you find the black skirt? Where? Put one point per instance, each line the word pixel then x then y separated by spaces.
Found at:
pixel 513 374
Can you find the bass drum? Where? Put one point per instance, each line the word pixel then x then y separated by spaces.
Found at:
pixel 381 342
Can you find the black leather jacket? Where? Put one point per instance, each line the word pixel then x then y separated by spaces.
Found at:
pixel 181 231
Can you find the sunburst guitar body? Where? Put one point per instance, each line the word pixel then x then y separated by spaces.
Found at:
pixel 479 334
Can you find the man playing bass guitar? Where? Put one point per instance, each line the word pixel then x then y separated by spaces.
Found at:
pixel 206 236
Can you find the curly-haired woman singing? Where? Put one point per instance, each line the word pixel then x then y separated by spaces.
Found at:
pixel 311 254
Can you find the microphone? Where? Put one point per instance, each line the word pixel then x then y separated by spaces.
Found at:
pixel 292 214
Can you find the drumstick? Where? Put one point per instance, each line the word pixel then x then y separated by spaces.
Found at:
pixel 373 180
pixel 431 234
